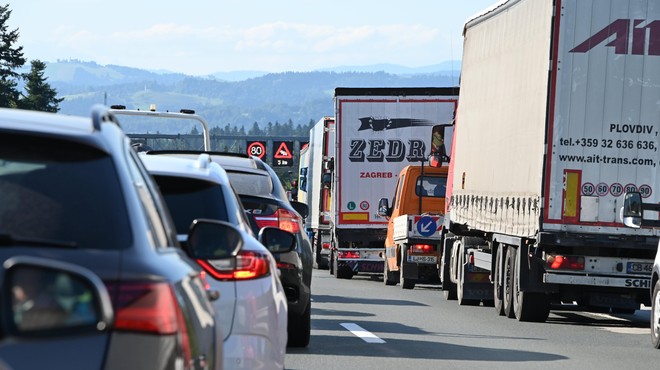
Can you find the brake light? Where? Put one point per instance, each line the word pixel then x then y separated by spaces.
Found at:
pixel 421 248
pixel 348 254
pixel 245 266
pixel 558 262
pixel 151 307
pixel 325 246
pixel 282 219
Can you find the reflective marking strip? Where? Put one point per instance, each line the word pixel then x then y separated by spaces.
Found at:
pixel 361 333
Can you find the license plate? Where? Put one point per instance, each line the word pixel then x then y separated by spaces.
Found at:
pixel 422 259
pixel 639 267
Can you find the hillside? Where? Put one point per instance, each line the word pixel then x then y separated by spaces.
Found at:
pixel 276 97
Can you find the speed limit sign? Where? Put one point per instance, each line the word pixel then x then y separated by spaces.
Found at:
pixel 257 149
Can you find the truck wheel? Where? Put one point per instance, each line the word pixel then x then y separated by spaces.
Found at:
pixel 655 316
pixel 448 288
pixel 406 283
pixel 498 282
pixel 460 271
pixel 528 306
pixel 388 276
pixel 507 287
pixel 332 263
pixel 341 273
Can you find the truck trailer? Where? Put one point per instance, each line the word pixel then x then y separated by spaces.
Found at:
pixel 377 132
pixel 558 116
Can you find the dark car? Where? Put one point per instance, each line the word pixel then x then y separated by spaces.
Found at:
pixel 266 200
pixel 73 190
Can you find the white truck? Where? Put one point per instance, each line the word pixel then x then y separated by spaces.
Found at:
pixel 377 132
pixel 558 116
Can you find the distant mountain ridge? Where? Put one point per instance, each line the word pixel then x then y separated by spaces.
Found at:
pixel 238 98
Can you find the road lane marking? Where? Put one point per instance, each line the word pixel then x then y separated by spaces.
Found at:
pixel 359 332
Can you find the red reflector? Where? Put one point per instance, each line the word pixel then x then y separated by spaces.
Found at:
pixel 565 262
pixel 145 306
pixel 248 265
pixel 348 254
pixel 326 246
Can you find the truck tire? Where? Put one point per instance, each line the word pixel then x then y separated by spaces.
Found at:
pixel 331 263
pixel 389 277
pixel 507 278
pixel 406 283
pixel 340 273
pixel 460 271
pixel 498 282
pixel 448 288
pixel 528 306
pixel 655 316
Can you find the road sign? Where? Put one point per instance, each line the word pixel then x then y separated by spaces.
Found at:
pixel 256 148
pixel 426 226
pixel 282 153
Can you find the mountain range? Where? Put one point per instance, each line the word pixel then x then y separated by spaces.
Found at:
pixel 238 98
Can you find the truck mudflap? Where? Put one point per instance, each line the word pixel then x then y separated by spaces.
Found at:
pixel 476 284
pixel 635 282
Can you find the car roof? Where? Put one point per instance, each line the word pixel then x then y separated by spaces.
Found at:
pixel 201 167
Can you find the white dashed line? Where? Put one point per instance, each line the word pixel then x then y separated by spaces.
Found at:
pixel 361 333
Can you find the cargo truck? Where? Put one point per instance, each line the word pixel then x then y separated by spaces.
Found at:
pixel 558 116
pixel 374 134
pixel 413 244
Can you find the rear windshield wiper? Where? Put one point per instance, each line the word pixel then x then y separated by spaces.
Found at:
pixel 7 240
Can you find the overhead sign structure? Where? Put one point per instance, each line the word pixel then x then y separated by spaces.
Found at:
pixel 256 148
pixel 282 156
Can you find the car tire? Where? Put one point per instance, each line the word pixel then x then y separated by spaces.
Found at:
pixel 655 316
pixel 300 328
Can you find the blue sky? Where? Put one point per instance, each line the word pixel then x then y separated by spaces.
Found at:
pixel 200 37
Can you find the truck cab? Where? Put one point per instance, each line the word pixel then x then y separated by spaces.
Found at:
pixel 413 244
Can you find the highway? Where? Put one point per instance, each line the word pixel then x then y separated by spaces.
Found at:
pixel 363 324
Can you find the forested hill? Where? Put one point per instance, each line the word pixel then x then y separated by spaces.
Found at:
pixel 294 97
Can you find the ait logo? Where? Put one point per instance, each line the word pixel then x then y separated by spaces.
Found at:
pixel 626 36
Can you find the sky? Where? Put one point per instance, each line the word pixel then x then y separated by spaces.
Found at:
pixel 202 37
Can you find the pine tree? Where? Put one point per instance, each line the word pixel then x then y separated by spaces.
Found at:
pixel 40 96
pixel 11 58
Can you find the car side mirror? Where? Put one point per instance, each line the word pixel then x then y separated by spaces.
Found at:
pixel 300 208
pixel 326 180
pixel 277 240
pixel 213 239
pixel 45 297
pixel 632 210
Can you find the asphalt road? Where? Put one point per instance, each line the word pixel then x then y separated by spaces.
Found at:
pixel 363 324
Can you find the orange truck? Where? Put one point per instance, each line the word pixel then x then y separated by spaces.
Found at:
pixel 413 245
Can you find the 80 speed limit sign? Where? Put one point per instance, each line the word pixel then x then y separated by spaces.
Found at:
pixel 257 149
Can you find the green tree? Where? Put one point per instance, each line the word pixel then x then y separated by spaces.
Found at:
pixel 11 58
pixel 40 96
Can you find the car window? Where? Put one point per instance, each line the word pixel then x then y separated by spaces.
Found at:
pixel 431 186
pixel 251 183
pixel 61 191
pixel 188 199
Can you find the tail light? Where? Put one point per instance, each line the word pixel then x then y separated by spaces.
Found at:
pixel 282 218
pixel 348 254
pixel 150 307
pixel 325 246
pixel 245 266
pixel 558 262
pixel 421 248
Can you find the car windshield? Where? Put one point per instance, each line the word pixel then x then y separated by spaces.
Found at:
pixel 251 183
pixel 431 186
pixel 189 199
pixel 61 192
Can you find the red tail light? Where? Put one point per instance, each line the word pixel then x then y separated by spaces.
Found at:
pixel 348 254
pixel 421 248
pixel 565 262
pixel 326 246
pixel 283 219
pixel 151 307
pixel 246 266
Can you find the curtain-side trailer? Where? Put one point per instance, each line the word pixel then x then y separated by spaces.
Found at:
pixel 558 116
